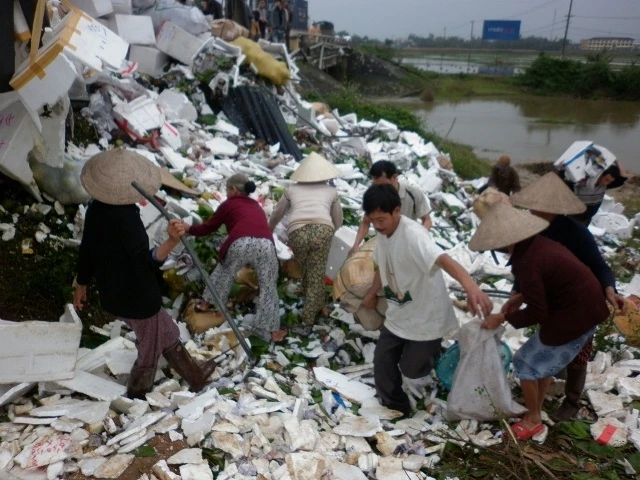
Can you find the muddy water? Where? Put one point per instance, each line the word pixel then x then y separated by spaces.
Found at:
pixel 537 128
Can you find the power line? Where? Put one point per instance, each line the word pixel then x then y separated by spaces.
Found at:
pixel 559 22
pixel 533 9
pixel 607 18
pixel 519 14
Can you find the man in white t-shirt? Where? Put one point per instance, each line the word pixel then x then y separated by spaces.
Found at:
pixel 414 203
pixel 420 313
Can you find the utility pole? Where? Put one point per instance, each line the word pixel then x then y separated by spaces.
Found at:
pixel 553 25
pixel 566 30
pixel 445 33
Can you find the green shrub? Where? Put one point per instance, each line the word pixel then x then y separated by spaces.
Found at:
pixel 591 79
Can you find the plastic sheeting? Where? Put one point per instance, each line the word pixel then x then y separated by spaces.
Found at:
pixel 252 110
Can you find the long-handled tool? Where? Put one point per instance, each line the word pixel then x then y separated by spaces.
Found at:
pixel 196 261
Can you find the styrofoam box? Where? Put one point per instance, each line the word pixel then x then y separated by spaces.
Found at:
pixel 340 244
pixel 573 160
pixel 135 29
pixel 150 60
pixel 122 6
pixel 178 43
pixel 35 350
pixel 94 8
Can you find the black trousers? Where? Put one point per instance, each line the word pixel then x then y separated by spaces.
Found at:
pixel 394 357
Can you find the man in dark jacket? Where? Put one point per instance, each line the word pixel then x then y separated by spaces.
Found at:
pixel 286 6
pixel 503 177
pixel 115 252
pixel 278 22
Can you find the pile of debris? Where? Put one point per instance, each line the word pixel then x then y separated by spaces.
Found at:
pixel 281 419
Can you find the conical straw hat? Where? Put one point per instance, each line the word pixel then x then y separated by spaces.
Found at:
pixel 107 176
pixel 549 194
pixel 489 197
pixel 315 168
pixel 504 225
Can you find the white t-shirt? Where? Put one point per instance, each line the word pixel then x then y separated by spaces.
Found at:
pixel 414 204
pixel 419 304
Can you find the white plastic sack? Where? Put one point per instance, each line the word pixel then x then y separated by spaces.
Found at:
pixel 62 183
pixel 480 389
pixel 187 18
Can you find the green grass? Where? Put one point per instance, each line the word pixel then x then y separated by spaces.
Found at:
pixel 452 87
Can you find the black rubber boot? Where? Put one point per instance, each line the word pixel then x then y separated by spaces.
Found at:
pixel 195 374
pixel 576 377
pixel 140 381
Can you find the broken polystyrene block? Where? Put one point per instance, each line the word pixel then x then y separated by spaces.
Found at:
pixel 606 404
pixel 344 471
pixel 135 29
pixel 352 390
pixel 629 387
pixel 307 465
pixel 96 358
pixel 226 127
pixel 609 431
pixel 371 407
pixel 94 8
pixel 93 386
pixel 222 146
pixel 176 106
pixel 89 465
pixel 178 43
pixel 114 467
pixel 122 6
pixel 150 60
pixel 46 451
pixel 33 351
pixel 10 392
pixel 390 468
pixel 362 426
pixel 87 411
pixel 231 443
pixel 141 115
pixel 342 241
pixel 614 224
pixel 188 455
pixel 175 159
pixel 200 471
pixel 121 362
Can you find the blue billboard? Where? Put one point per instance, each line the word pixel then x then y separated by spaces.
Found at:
pixel 501 30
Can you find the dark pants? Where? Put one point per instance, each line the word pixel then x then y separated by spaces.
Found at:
pixel 394 357
pixel 153 336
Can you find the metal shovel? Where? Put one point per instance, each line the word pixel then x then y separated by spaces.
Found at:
pixel 196 261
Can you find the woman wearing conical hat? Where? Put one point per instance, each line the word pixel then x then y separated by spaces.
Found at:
pixel 551 199
pixel 115 252
pixel 562 296
pixel 314 215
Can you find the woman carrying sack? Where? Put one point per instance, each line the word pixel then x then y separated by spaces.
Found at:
pixel 562 295
pixel 115 251
pixel 314 215
pixel 250 242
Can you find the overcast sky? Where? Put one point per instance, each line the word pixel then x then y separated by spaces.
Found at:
pixel 399 18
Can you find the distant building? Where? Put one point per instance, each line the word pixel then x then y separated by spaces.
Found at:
pixel 598 44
